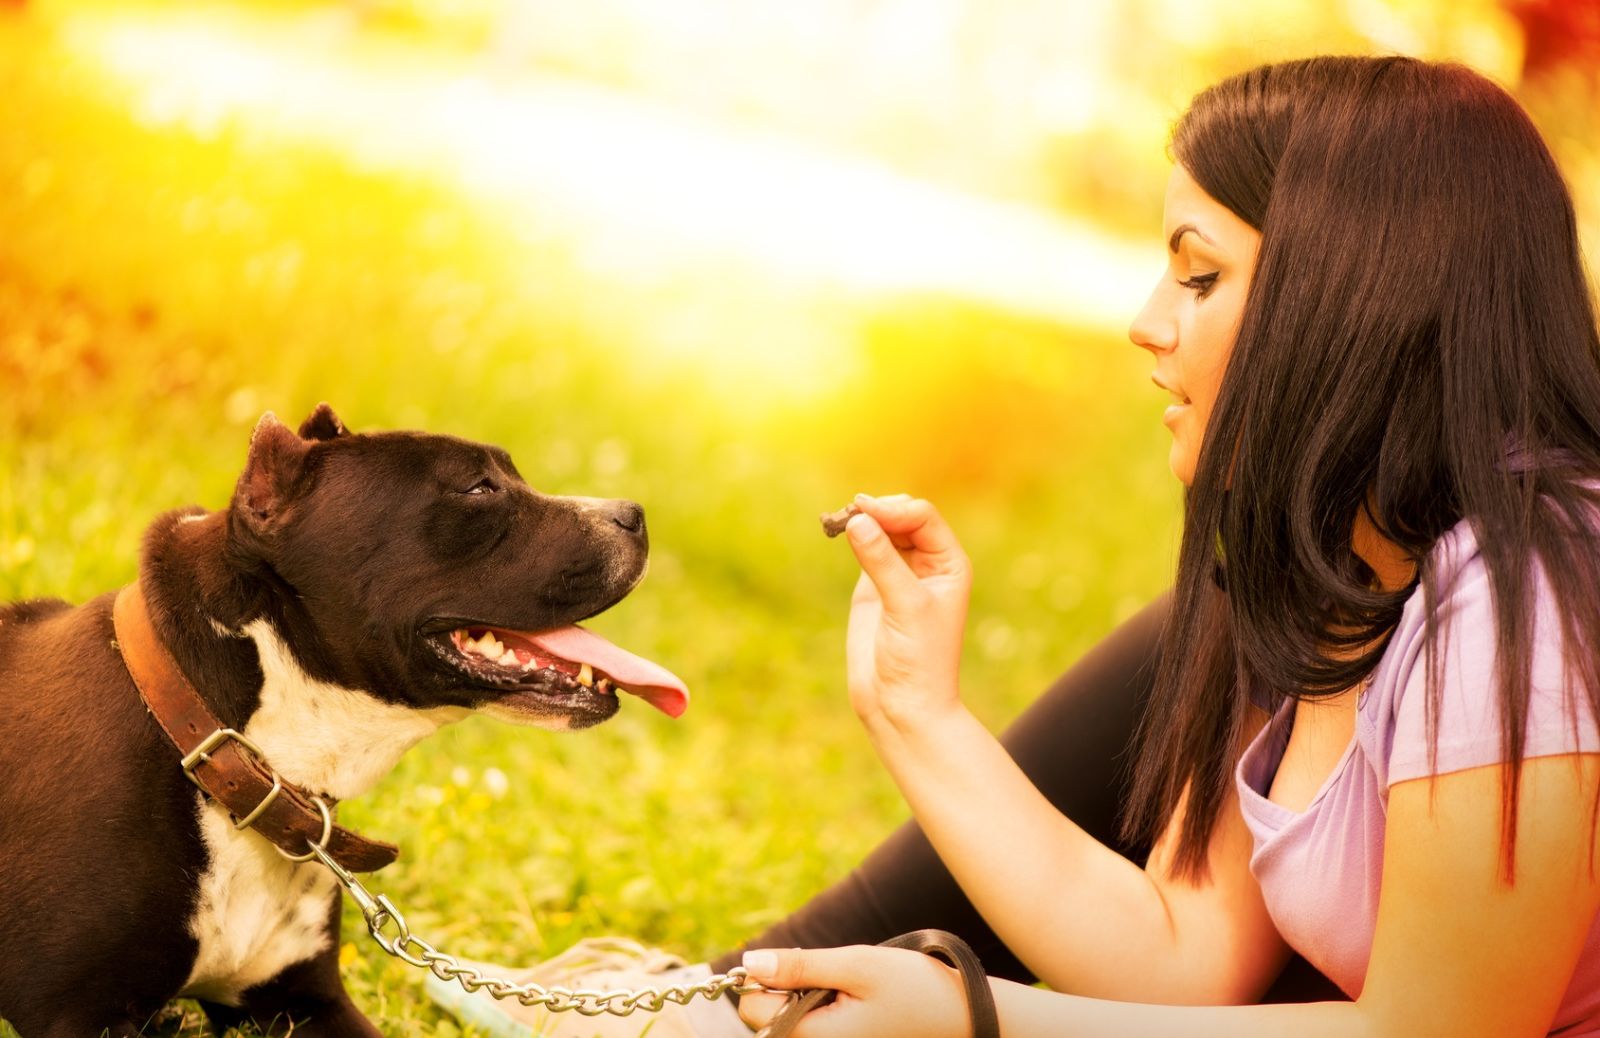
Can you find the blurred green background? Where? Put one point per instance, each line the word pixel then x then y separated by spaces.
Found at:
pixel 733 260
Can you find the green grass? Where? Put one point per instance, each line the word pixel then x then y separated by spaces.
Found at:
pixel 159 290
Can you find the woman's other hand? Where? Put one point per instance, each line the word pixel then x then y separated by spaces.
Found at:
pixel 883 992
pixel 907 614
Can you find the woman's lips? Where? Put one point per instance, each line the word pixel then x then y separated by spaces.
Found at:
pixel 1177 408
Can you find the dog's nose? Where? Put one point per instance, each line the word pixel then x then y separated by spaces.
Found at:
pixel 629 516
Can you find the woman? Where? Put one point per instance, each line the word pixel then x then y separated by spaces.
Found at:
pixel 1371 736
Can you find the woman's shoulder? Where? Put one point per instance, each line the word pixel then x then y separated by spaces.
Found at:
pixel 1415 733
pixel 1459 573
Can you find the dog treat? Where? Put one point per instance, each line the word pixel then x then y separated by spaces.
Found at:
pixel 833 522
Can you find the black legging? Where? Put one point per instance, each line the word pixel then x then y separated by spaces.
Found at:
pixel 1074 744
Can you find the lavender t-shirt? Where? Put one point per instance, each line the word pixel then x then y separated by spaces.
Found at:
pixel 1320 869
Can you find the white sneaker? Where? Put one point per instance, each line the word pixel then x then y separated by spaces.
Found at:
pixel 598 963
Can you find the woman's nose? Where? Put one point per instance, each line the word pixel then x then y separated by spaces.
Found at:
pixel 1151 329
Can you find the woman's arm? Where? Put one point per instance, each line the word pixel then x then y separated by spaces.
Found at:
pixel 1458 952
pixel 1083 918
pixel 1079 915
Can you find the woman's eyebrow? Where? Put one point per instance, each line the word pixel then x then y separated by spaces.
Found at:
pixel 1172 243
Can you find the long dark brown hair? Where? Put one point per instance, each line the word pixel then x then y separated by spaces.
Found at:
pixel 1419 309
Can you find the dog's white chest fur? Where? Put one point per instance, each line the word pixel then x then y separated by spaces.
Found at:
pixel 256 913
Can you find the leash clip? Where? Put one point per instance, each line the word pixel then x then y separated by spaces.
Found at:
pixel 375 910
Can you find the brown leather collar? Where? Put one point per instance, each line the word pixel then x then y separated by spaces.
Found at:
pixel 222 762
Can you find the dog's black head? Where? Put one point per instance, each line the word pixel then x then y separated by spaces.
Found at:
pixel 424 570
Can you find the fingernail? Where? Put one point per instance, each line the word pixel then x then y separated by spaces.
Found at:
pixel 867 499
pixel 761 963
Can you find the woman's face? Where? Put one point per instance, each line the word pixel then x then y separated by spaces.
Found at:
pixel 1191 318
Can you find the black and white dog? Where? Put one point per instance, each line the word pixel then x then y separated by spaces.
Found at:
pixel 359 592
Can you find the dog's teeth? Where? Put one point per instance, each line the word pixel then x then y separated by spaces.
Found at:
pixel 586 675
pixel 488 647
pixel 508 658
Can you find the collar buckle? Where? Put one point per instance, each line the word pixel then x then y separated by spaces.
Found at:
pixel 201 754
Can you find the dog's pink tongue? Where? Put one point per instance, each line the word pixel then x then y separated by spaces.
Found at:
pixel 658 686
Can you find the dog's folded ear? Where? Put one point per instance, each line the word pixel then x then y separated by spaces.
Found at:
pixel 323 424
pixel 272 474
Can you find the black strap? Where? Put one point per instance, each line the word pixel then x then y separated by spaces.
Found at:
pixel 947 946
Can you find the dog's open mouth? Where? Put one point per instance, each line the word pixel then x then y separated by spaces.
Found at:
pixel 570 664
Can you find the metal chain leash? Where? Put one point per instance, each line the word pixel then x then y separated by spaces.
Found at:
pixel 380 913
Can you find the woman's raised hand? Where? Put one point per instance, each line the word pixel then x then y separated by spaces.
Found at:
pixel 907 614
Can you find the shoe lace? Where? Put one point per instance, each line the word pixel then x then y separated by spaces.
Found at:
pixel 602 955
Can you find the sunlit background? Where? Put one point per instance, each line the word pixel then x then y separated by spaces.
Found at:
pixel 735 259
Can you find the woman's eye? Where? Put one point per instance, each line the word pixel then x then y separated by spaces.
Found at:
pixel 1201 283
pixel 482 486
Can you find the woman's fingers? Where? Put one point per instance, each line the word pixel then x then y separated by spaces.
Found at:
pixel 883 565
pixel 914 524
pixel 796 969
pixel 882 991
pixel 799 969
pixel 903 642
pixel 758 1009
